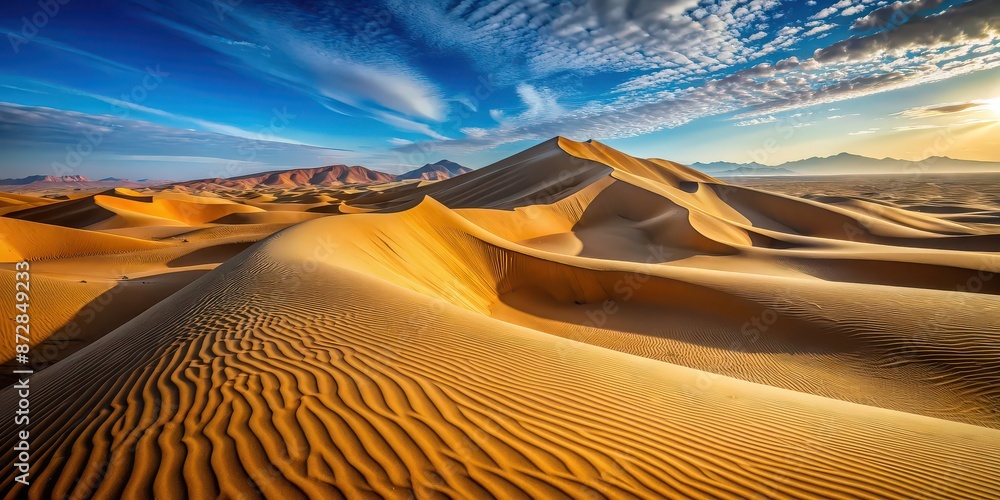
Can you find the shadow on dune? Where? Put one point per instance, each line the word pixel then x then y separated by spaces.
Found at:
pixel 683 312
pixel 102 315
pixel 901 274
pixel 209 255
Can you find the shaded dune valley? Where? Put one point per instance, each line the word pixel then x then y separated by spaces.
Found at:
pixel 569 322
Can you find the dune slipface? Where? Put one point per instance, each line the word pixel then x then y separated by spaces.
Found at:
pixel 568 322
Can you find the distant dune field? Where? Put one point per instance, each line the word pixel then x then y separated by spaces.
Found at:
pixel 568 322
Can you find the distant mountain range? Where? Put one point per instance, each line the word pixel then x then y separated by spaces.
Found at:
pixel 331 175
pixel 43 178
pixel 724 169
pixel 74 181
pixel 334 175
pixel 846 163
pixel 439 171
pixel 328 175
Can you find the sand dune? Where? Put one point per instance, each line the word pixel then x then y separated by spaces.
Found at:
pixel 568 322
pixel 86 251
pixel 36 241
pixel 10 202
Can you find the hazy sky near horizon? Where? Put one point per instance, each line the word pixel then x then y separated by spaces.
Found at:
pixel 176 89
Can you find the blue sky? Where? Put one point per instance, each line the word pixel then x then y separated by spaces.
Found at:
pixel 182 89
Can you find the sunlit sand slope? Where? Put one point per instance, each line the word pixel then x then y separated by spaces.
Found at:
pixel 342 385
pixel 98 260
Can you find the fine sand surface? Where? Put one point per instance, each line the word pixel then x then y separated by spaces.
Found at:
pixel 568 322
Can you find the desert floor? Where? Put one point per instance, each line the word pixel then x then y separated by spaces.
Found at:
pixel 568 322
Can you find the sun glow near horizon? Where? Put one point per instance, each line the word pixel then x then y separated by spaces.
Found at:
pixel 994 106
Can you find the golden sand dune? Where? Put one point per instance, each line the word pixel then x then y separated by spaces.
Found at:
pixel 346 385
pixel 568 322
pixel 86 251
pixel 10 202
pixel 36 241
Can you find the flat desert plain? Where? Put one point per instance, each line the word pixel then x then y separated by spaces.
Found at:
pixel 568 322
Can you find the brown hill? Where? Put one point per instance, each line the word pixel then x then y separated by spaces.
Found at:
pixel 329 175
pixel 438 171
pixel 42 178
pixel 66 183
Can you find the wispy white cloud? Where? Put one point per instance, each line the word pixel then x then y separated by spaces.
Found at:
pixel 825 13
pixel 406 124
pixel 541 103
pixel 815 30
pixel 359 68
pixel 943 109
pixel 925 126
pixel 756 121
pixel 22 89
pixel 210 160
pixel 852 10
pixel 94 60
pixel 123 108
pixel 40 137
